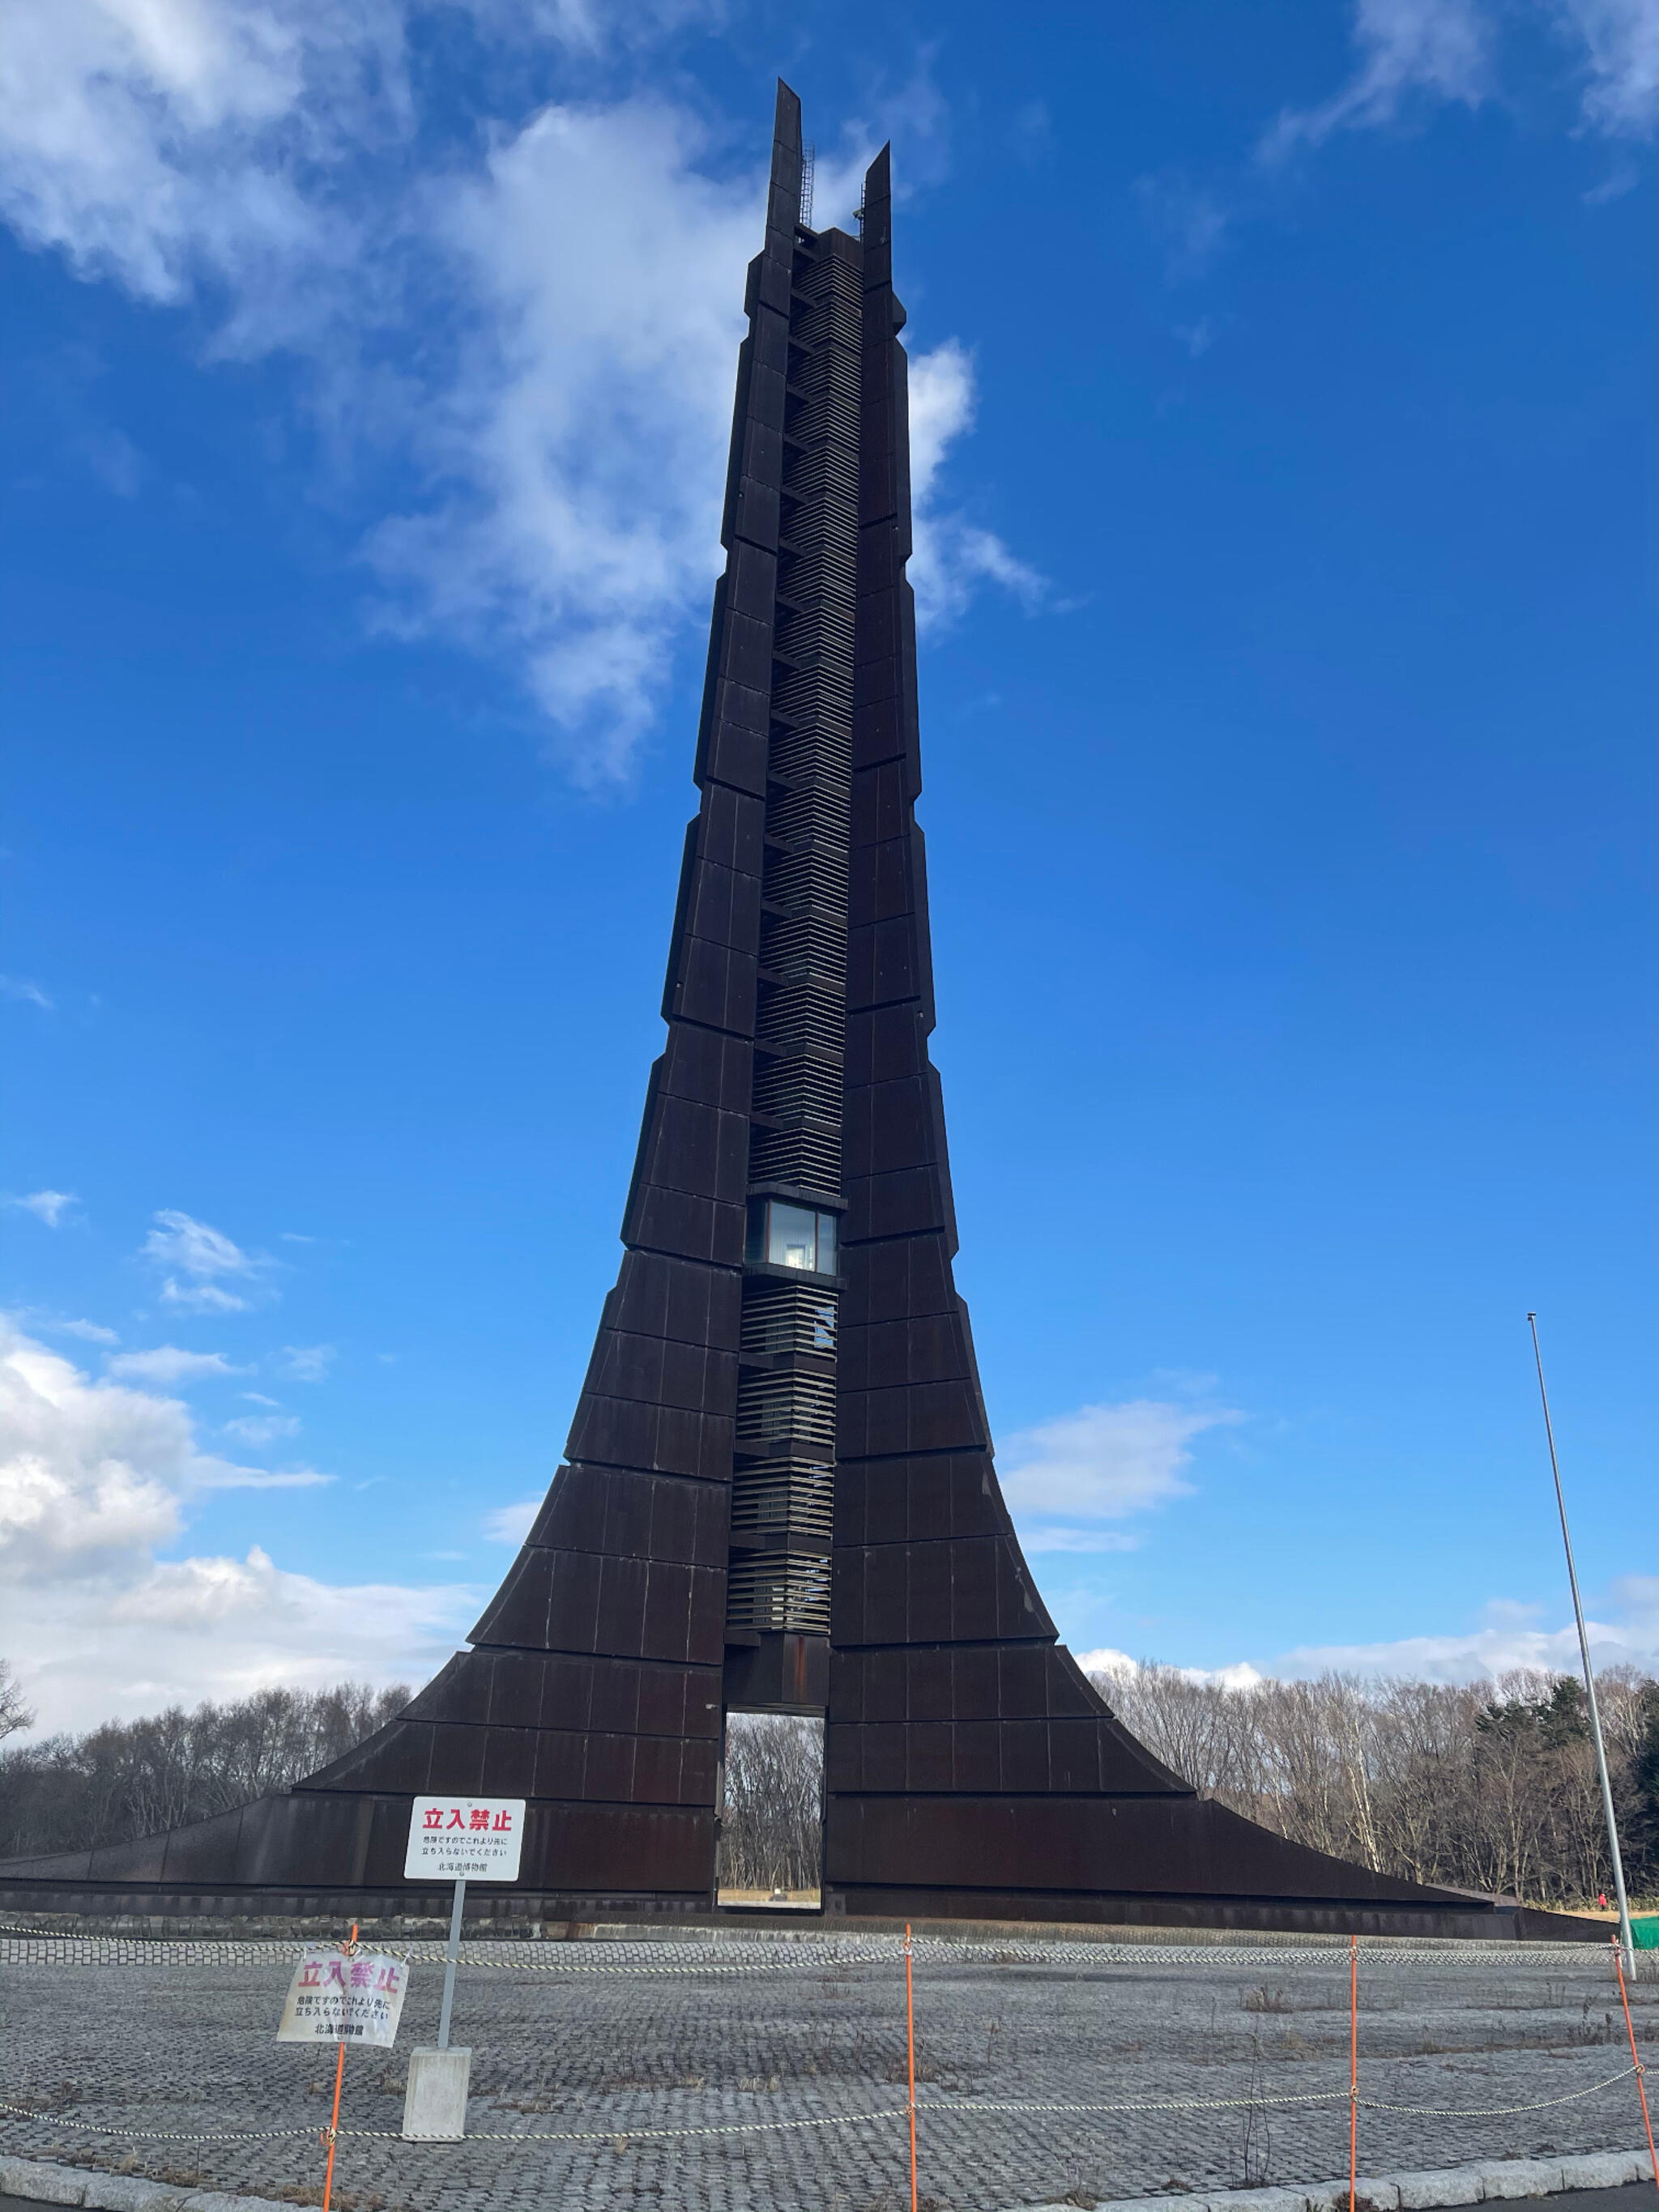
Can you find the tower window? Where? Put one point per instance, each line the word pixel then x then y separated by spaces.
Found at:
pixel 786 1236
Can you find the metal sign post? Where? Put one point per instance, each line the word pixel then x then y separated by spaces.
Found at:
pixel 455 1839
pixel 451 1960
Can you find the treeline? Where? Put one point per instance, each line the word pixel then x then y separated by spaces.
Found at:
pixel 1489 1786
pixel 131 1779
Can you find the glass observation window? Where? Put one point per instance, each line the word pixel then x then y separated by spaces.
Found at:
pixel 786 1235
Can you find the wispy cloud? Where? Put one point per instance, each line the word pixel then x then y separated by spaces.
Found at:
pixel 1507 1636
pixel 28 994
pixel 1103 1463
pixel 1032 131
pixel 511 1524
pixel 259 1477
pixel 48 1205
pixel 1450 50
pixel 90 1331
pixel 1189 221
pixel 1054 1536
pixel 170 1363
pixel 1440 48
pixel 1620 51
pixel 181 1246
pixel 952 554
pixel 261 1428
pixel 308 1363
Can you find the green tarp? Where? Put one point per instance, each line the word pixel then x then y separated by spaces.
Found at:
pixel 1645 1932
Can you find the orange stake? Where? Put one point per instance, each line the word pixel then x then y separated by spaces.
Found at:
pixel 910 2030
pixel 339 2075
pixel 1641 2085
pixel 1353 2068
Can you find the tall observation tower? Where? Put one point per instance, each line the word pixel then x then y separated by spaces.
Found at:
pixel 779 1492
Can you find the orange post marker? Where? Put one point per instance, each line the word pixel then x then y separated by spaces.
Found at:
pixel 1354 2069
pixel 339 2076
pixel 910 2031
pixel 1636 2060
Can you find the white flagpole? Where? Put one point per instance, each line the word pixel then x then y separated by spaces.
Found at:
pixel 1626 1942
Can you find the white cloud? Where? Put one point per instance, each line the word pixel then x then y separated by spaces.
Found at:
pixel 176 1631
pixel 579 446
pixel 48 1205
pixel 1043 1536
pixel 1441 47
pixel 200 1254
pixel 1620 40
pixel 202 1297
pixel 90 1469
pixel 170 1363
pixel 160 141
pixel 30 995
pixel 259 1477
pixel 511 1524
pixel 308 1363
pixel 1119 1666
pixel 95 1468
pixel 1448 49
pixel 539 317
pixel 177 1240
pixel 1102 1463
pixel 90 1331
pixel 96 1479
pixel 1509 1636
pixel 261 1428
pixel 952 556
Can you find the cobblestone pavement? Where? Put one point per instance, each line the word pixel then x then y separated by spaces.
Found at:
pixel 749 2074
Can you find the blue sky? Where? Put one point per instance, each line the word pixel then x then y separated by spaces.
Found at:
pixel 1282 402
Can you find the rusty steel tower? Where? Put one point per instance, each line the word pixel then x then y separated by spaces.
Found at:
pixel 779 1491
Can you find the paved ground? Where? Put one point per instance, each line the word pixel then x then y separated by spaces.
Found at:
pixel 757 2074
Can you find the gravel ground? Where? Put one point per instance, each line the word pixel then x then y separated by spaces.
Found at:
pixel 753 2074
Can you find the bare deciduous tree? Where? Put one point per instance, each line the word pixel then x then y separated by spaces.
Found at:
pixel 131 1779
pixel 1490 1786
pixel 772 1819
pixel 15 1712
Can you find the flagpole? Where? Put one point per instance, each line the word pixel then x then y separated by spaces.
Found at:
pixel 1626 1942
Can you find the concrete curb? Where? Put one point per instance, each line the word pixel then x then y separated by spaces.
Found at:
pixel 1491 2181
pixel 50 2184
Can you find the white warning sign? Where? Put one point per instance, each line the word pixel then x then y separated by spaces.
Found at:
pixel 464 1839
pixel 337 1996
